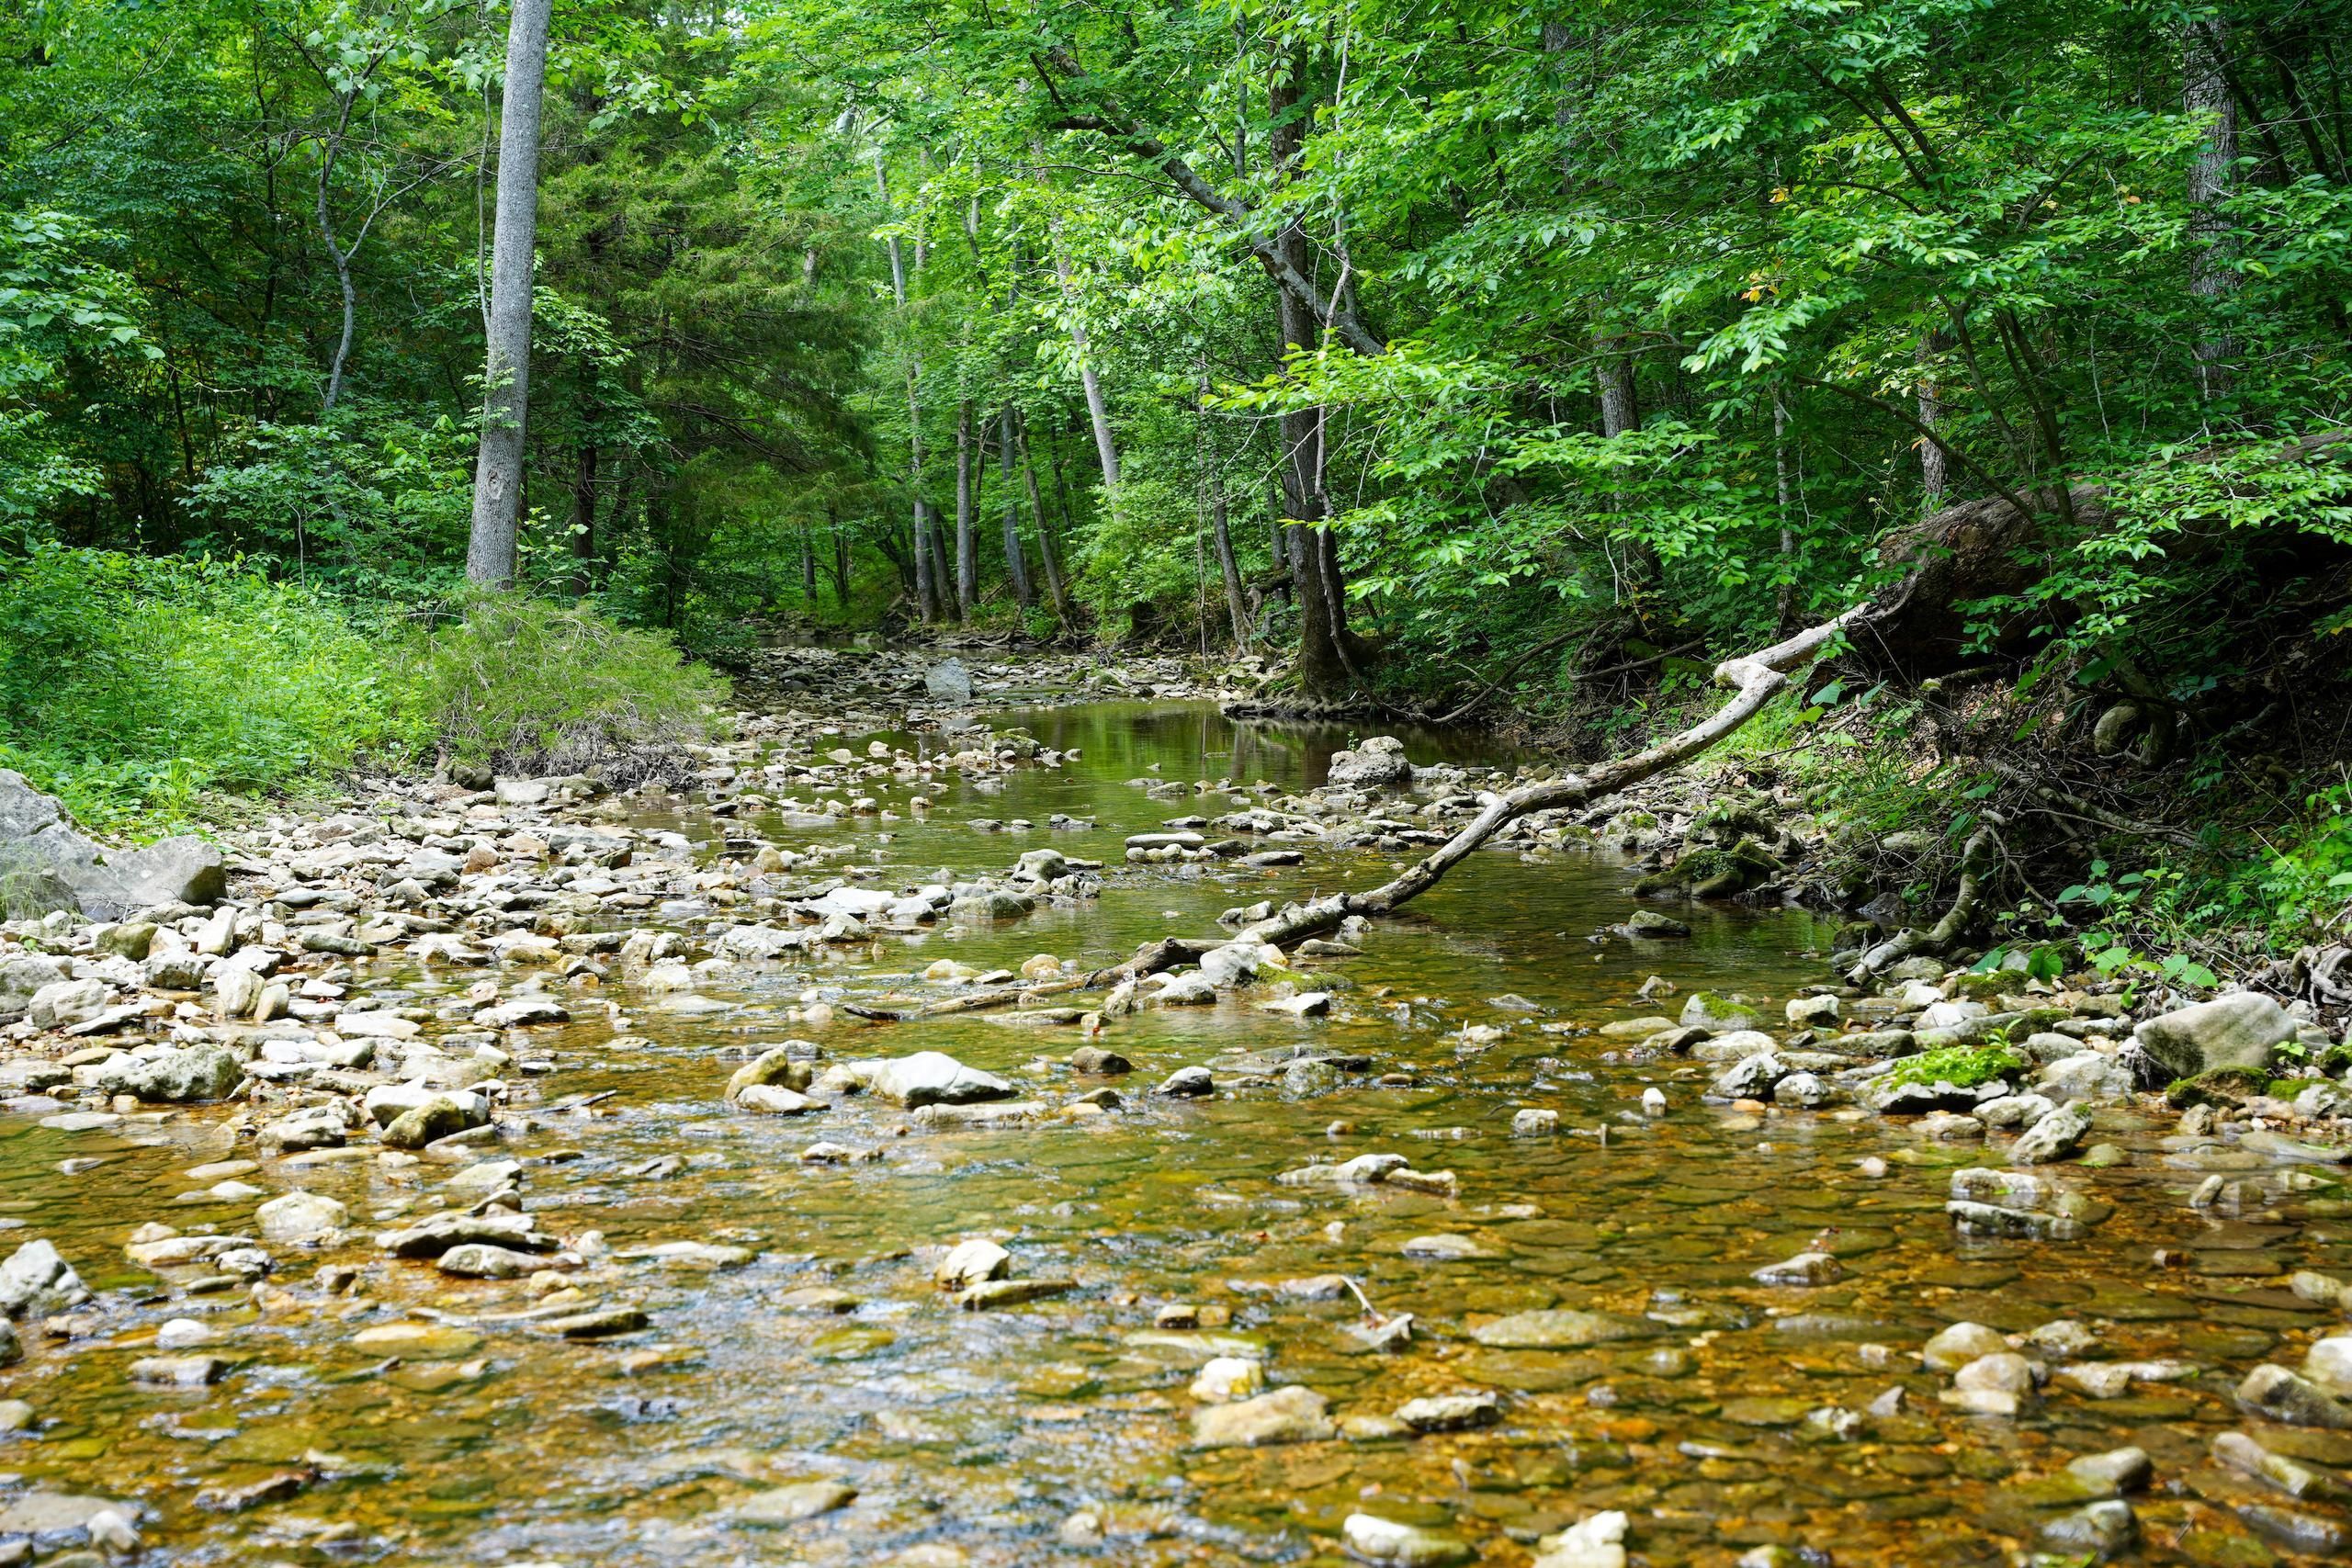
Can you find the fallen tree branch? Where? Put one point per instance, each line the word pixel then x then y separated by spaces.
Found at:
pixel 1755 678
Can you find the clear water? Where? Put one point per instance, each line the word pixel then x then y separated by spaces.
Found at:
pixel 972 1437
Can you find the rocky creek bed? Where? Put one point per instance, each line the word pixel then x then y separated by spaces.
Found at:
pixel 802 1166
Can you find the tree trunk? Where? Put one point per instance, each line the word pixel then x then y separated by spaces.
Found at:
pixel 341 257
pixel 1236 604
pixel 839 552
pixel 1016 561
pixel 1784 484
pixel 942 562
pixel 926 569
pixel 1048 557
pixel 2212 256
pixel 808 567
pixel 1935 468
pixel 968 557
pixel 498 477
pixel 1322 665
pixel 926 600
pixel 583 519
pixel 1097 410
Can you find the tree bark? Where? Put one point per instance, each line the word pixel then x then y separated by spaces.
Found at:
pixel 967 557
pixel 926 596
pixel 506 381
pixel 926 569
pixel 1048 556
pixel 942 562
pixel 1097 410
pixel 839 552
pixel 1935 468
pixel 1785 486
pixel 1016 560
pixel 1322 664
pixel 341 257
pixel 2212 257
pixel 1236 604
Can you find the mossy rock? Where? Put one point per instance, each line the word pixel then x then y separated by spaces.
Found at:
pixel 2218 1086
pixel 1707 873
pixel 1978 988
pixel 1963 1067
pixel 1731 819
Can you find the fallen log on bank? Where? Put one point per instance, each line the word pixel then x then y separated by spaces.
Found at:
pixel 1754 679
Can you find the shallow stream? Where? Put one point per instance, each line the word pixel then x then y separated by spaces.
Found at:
pixel 974 1437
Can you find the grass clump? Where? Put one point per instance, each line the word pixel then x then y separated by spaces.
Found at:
pixel 1963 1067
pixel 523 685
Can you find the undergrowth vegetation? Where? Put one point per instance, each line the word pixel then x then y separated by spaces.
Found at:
pixel 151 694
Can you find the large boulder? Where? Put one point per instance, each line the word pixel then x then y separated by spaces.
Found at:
pixel 175 1077
pixel 933 1078
pixel 47 864
pixel 2236 1030
pixel 37 1282
pixel 948 682
pixel 23 974
pixel 1379 763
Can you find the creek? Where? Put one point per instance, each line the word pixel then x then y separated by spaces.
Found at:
pixel 830 1376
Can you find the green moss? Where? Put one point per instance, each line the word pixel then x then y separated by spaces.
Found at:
pixel 1963 1067
pixel 2218 1086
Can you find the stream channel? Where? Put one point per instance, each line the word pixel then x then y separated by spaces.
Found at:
pixel 825 1402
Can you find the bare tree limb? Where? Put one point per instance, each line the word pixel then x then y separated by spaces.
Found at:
pixel 1754 679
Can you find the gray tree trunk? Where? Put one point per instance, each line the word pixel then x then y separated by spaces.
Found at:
pixel 926 594
pixel 498 477
pixel 1016 561
pixel 2212 256
pixel 1097 410
pixel 341 257
pixel 1935 467
pixel 967 557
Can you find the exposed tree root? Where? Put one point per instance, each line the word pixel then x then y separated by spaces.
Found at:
pixel 1975 859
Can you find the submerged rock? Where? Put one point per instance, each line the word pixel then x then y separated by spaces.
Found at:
pixel 1289 1414
pixel 1393 1545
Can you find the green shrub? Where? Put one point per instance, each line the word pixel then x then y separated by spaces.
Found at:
pixel 131 687
pixel 527 686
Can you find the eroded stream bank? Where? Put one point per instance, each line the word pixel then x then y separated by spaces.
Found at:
pixel 594 1310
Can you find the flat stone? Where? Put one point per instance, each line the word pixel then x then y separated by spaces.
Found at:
pixel 1561 1328
pixel 1391 1544
pixel 793 1502
pixel 1289 1415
